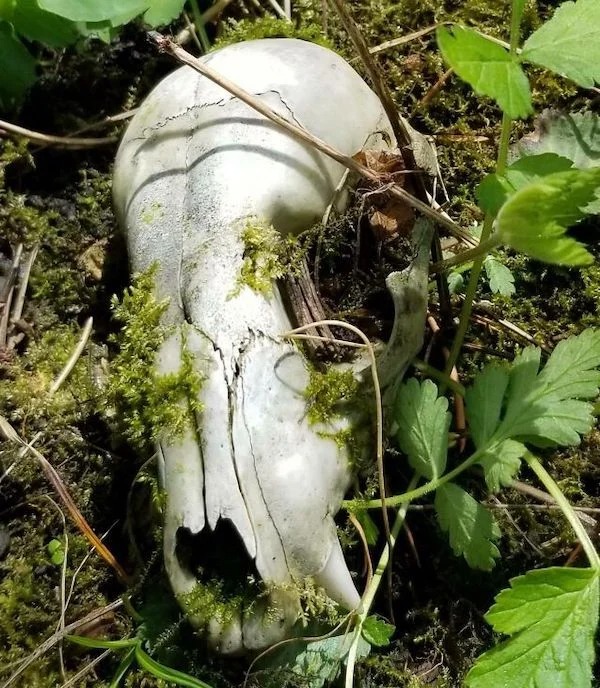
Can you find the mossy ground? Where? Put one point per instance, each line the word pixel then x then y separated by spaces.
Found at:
pixel 60 200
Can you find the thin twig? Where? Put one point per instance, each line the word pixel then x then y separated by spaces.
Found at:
pixel 363 538
pixel 395 42
pixel 86 669
pixel 50 139
pixel 279 11
pixel 166 45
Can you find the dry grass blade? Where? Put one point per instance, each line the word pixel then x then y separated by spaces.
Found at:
pixel 396 42
pixel 168 46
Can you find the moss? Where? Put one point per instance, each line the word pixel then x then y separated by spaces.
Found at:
pixel 208 601
pixel 147 404
pixel 263 257
pixel 269 27
pixel 326 391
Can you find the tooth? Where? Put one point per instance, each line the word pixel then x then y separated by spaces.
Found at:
pixel 226 638
pixel 270 619
pixel 335 579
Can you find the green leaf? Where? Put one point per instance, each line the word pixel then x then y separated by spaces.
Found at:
pixel 377 632
pixel 484 399
pixel 35 24
pixel 488 67
pixel 501 279
pixel 471 526
pixel 546 408
pixel 552 615
pixel 316 663
pixel 575 136
pixel 163 11
pixel 369 527
pixel 123 668
pixel 56 551
pixel 18 68
pixel 94 11
pixel 518 7
pixel 569 43
pixel 534 220
pixel 495 189
pixel 423 422
pixel 501 463
pixel 166 673
pixel 455 282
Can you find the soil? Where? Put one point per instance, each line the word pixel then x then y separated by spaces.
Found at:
pixel 58 202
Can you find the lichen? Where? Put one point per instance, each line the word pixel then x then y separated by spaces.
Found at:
pixel 149 405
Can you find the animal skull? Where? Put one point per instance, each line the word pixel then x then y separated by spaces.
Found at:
pixel 194 165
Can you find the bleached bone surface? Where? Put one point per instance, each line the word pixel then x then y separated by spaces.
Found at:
pixel 194 165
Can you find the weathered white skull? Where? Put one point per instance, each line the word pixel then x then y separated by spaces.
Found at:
pixel 194 165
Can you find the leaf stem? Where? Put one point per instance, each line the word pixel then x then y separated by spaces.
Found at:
pixel 467 256
pixel 569 512
pixel 398 500
pixel 371 591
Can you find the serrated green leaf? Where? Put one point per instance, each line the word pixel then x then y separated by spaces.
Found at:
pixel 487 67
pixel 470 526
pixel 163 11
pixel 501 279
pixel 572 369
pixel 547 408
pixel 18 68
pixel 94 11
pixel 484 400
pixel 377 632
pixel 535 218
pixel 495 189
pixel 552 615
pixel 423 423
pixel 574 135
pixel 34 23
pixel 569 43
pixel 501 463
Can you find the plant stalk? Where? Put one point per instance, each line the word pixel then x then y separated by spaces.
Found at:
pixel 569 512
pixel 371 591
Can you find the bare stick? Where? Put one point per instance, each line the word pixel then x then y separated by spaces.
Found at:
pixel 164 44
pixel 50 139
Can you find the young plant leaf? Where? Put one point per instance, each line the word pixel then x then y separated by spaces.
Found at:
pixel 495 189
pixel 535 218
pixel 551 615
pixel 377 632
pixel 470 526
pixel 501 279
pixel 18 68
pixel 423 422
pixel 501 463
pixel 569 43
pixel 487 67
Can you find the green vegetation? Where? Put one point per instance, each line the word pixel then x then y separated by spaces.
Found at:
pixel 147 404
pixel 263 257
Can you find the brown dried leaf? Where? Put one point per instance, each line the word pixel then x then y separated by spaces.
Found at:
pixel 391 218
